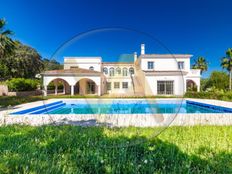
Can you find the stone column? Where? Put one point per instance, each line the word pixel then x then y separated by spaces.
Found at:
pixel 72 89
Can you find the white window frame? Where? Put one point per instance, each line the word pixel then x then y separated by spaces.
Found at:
pixel 111 71
pixel 123 83
pixel 150 65
pixel 116 86
pixel 124 71
pixel 179 63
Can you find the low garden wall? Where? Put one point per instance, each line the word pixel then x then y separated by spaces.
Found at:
pixel 3 90
pixel 25 93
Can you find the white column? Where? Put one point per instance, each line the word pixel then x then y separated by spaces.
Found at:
pixel 185 90
pixel 63 88
pixel 72 89
pixel 56 88
pixel 198 88
pixel 45 91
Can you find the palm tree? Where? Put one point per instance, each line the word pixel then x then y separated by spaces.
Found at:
pixel 226 63
pixel 7 45
pixel 201 64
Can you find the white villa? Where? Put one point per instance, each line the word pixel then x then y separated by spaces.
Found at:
pixel 145 75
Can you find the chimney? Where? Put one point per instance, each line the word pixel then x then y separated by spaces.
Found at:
pixel 135 56
pixel 142 49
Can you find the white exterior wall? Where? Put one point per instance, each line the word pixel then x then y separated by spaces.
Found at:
pixel 151 83
pixel 169 63
pixel 165 64
pixel 119 78
pixel 83 62
pixel 120 90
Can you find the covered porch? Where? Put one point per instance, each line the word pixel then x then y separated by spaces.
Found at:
pixel 72 82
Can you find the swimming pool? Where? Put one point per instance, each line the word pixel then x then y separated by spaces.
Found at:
pixel 123 106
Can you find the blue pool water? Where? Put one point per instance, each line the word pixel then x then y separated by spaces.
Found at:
pixel 124 107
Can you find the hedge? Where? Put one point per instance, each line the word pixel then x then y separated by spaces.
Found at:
pixel 21 84
pixel 210 95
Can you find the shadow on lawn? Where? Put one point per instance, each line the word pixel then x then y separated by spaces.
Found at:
pixel 90 122
pixel 69 149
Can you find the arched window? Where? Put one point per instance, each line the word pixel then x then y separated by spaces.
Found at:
pixel 118 71
pixel 124 72
pixel 111 71
pixel 131 70
pixel 91 68
pixel 105 70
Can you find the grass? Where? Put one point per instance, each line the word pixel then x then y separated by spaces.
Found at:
pixel 6 101
pixel 70 149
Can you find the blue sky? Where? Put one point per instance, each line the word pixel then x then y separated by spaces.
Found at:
pixel 199 27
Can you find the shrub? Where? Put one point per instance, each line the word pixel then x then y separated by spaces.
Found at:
pixel 219 95
pixel 21 84
pixel 217 79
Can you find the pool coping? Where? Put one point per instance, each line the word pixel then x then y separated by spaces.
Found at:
pixel 120 120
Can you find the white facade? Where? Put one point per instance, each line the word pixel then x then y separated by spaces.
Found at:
pixel 165 62
pixel 147 74
pixel 83 62
pixel 118 74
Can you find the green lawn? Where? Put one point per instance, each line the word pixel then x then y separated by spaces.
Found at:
pixel 6 101
pixel 69 149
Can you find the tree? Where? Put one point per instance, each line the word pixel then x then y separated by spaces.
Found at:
pixel 51 64
pixel 226 63
pixel 25 62
pixel 218 80
pixel 7 45
pixel 201 64
pixel 204 83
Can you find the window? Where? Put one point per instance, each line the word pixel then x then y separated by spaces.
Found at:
pixel 118 71
pixel 124 72
pixel 125 85
pixel 116 85
pixel 108 86
pixel 91 68
pixel 131 70
pixel 180 65
pixel 165 87
pixel 150 65
pixel 105 70
pixel 111 71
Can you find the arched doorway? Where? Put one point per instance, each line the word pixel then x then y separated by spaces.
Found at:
pixel 191 85
pixel 58 86
pixel 86 87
